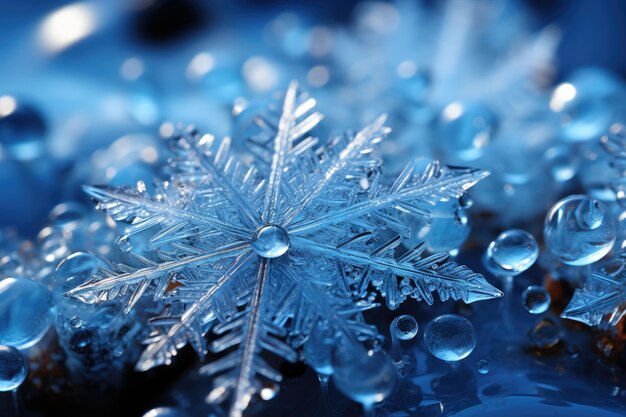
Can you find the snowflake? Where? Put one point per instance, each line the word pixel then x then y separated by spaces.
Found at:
pixel 251 256
pixel 603 296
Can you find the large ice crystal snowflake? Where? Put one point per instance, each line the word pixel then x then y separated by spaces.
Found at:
pixel 603 297
pixel 253 256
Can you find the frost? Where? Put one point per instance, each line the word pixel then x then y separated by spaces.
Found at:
pixel 603 297
pixel 251 256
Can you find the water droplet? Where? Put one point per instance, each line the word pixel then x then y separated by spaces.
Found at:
pixel 536 299
pixel 563 163
pixel 22 129
pixel 76 322
pixel 483 366
pixel 67 215
pixel 512 253
pixel 579 230
pixel 53 243
pixel 75 270
pixel 318 350
pixel 367 379
pixel 545 334
pixel 465 130
pixel 450 337
pixel 80 340
pixel 586 104
pixel 124 244
pixel 404 327
pixel 13 368
pixel 270 241
pixel 25 312
pixel 269 390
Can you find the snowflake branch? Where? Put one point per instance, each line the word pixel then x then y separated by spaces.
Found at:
pixel 436 271
pixel 113 197
pixel 363 138
pixel 452 185
pixel 164 346
pixel 282 144
pixel 244 389
pixel 153 272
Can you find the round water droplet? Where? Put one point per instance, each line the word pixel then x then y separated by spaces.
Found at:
pixel 450 337
pixel 483 366
pixel 536 299
pixel 13 369
pixel 579 230
pixel 562 162
pixel 270 241
pixel 318 350
pixel 67 215
pixel 80 340
pixel 124 244
pixel 22 129
pixel 75 270
pixel 512 253
pixel 165 412
pixel 404 327
pixel 269 391
pixel 25 312
pixel 53 243
pixel 367 379
pixel 465 130
pixel 586 104
pixel 545 334
pixel 76 322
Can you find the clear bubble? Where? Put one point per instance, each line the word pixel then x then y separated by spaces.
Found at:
pixel 483 366
pixel 586 104
pixel 465 130
pixel 13 368
pixel 75 270
pixel 563 163
pixel 445 230
pixel 545 334
pixel 81 340
pixel 76 322
pixel 450 337
pixel 53 243
pixel 270 241
pixel 365 378
pixel 124 244
pixel 579 230
pixel 536 299
pixel 67 215
pixel 513 252
pixel 25 312
pixel 318 350
pixel 22 129
pixel 404 327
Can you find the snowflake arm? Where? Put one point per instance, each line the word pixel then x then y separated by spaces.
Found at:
pixel 432 184
pixel 434 273
pixel 603 296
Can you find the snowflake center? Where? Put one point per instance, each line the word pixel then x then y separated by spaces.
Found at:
pixel 270 241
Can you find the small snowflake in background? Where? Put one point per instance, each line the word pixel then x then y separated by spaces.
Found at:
pixel 603 297
pixel 255 260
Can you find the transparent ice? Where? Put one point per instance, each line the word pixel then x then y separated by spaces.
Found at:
pixel 404 327
pixel 25 312
pixel 579 230
pixel 536 299
pixel 13 368
pixel 511 253
pixel 602 297
pixel 483 366
pixel 259 251
pixel 450 337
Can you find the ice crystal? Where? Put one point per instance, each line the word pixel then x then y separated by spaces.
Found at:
pixel 602 297
pixel 251 256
